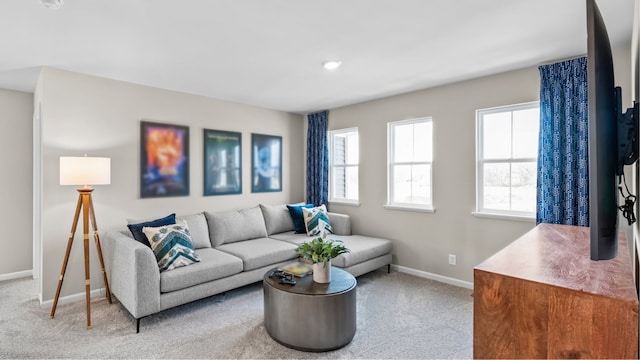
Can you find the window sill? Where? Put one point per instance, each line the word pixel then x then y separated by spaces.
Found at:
pixel 410 208
pixel 345 203
pixel 488 215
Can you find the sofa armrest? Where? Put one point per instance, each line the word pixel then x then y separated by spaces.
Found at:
pixel 133 273
pixel 341 223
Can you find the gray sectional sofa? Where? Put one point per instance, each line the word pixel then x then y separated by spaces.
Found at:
pixel 236 248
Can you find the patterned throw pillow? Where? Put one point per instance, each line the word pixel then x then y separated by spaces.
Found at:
pixel 316 221
pixel 172 245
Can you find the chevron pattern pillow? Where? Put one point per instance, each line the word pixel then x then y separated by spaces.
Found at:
pixel 316 221
pixel 172 245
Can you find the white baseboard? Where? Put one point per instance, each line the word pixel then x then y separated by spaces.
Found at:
pixel 16 275
pixel 432 276
pixel 403 269
pixel 72 298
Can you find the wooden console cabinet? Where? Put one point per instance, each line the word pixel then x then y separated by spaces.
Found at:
pixel 542 297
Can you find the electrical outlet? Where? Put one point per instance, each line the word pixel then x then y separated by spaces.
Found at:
pixel 452 259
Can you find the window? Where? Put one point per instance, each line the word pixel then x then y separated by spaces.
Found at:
pixel 344 154
pixel 507 154
pixel 410 157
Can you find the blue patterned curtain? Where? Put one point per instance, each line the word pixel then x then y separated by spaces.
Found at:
pixel 563 153
pixel 317 159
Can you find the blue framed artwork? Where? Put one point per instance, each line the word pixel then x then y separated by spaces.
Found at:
pixel 222 162
pixel 266 163
pixel 164 160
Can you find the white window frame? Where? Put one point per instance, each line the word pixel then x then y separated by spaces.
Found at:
pixel 425 207
pixel 481 211
pixel 331 136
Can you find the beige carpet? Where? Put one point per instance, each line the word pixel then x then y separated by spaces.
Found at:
pixel 398 316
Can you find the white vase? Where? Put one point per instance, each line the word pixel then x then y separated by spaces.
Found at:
pixel 322 272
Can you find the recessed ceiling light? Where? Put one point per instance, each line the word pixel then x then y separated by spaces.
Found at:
pixel 331 64
pixel 52 4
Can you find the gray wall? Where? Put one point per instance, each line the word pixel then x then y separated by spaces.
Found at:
pixel 84 114
pixel 16 109
pixel 423 241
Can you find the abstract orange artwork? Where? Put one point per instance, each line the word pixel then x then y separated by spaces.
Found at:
pixel 164 160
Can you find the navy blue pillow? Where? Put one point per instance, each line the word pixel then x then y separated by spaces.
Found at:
pixel 136 229
pixel 298 219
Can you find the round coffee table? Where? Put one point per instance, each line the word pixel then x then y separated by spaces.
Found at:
pixel 310 316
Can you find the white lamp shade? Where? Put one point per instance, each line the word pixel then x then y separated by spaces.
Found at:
pixel 82 170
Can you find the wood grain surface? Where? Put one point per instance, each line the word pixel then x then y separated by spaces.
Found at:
pixel 542 297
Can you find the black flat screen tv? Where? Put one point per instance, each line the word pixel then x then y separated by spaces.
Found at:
pixel 612 138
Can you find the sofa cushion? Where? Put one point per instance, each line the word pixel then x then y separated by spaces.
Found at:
pixel 135 226
pixel 231 226
pixel 291 237
pixel 261 252
pixel 362 248
pixel 276 218
pixel 172 245
pixel 198 228
pixel 213 265
pixel 317 221
pixel 298 218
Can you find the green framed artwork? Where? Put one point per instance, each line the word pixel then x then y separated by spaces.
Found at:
pixel 222 162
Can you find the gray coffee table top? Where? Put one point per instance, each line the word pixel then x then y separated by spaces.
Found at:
pixel 341 281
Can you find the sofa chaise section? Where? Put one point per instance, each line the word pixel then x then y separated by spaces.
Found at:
pixel 366 253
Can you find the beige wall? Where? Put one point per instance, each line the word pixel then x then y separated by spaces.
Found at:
pixel 423 241
pixel 84 114
pixel 16 109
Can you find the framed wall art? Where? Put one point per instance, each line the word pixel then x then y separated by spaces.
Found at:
pixel 266 163
pixel 222 162
pixel 164 160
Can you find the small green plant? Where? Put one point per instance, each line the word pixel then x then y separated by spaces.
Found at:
pixel 319 250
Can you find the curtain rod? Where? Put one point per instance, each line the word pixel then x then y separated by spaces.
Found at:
pixel 561 60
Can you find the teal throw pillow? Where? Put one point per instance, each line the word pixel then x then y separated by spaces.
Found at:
pixel 298 218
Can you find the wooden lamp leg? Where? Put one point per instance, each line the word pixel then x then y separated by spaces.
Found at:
pixel 66 256
pixel 99 248
pixel 87 271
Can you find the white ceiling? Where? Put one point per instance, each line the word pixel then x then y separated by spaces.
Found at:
pixel 268 53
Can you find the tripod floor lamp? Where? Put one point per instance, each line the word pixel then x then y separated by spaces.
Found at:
pixel 84 171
